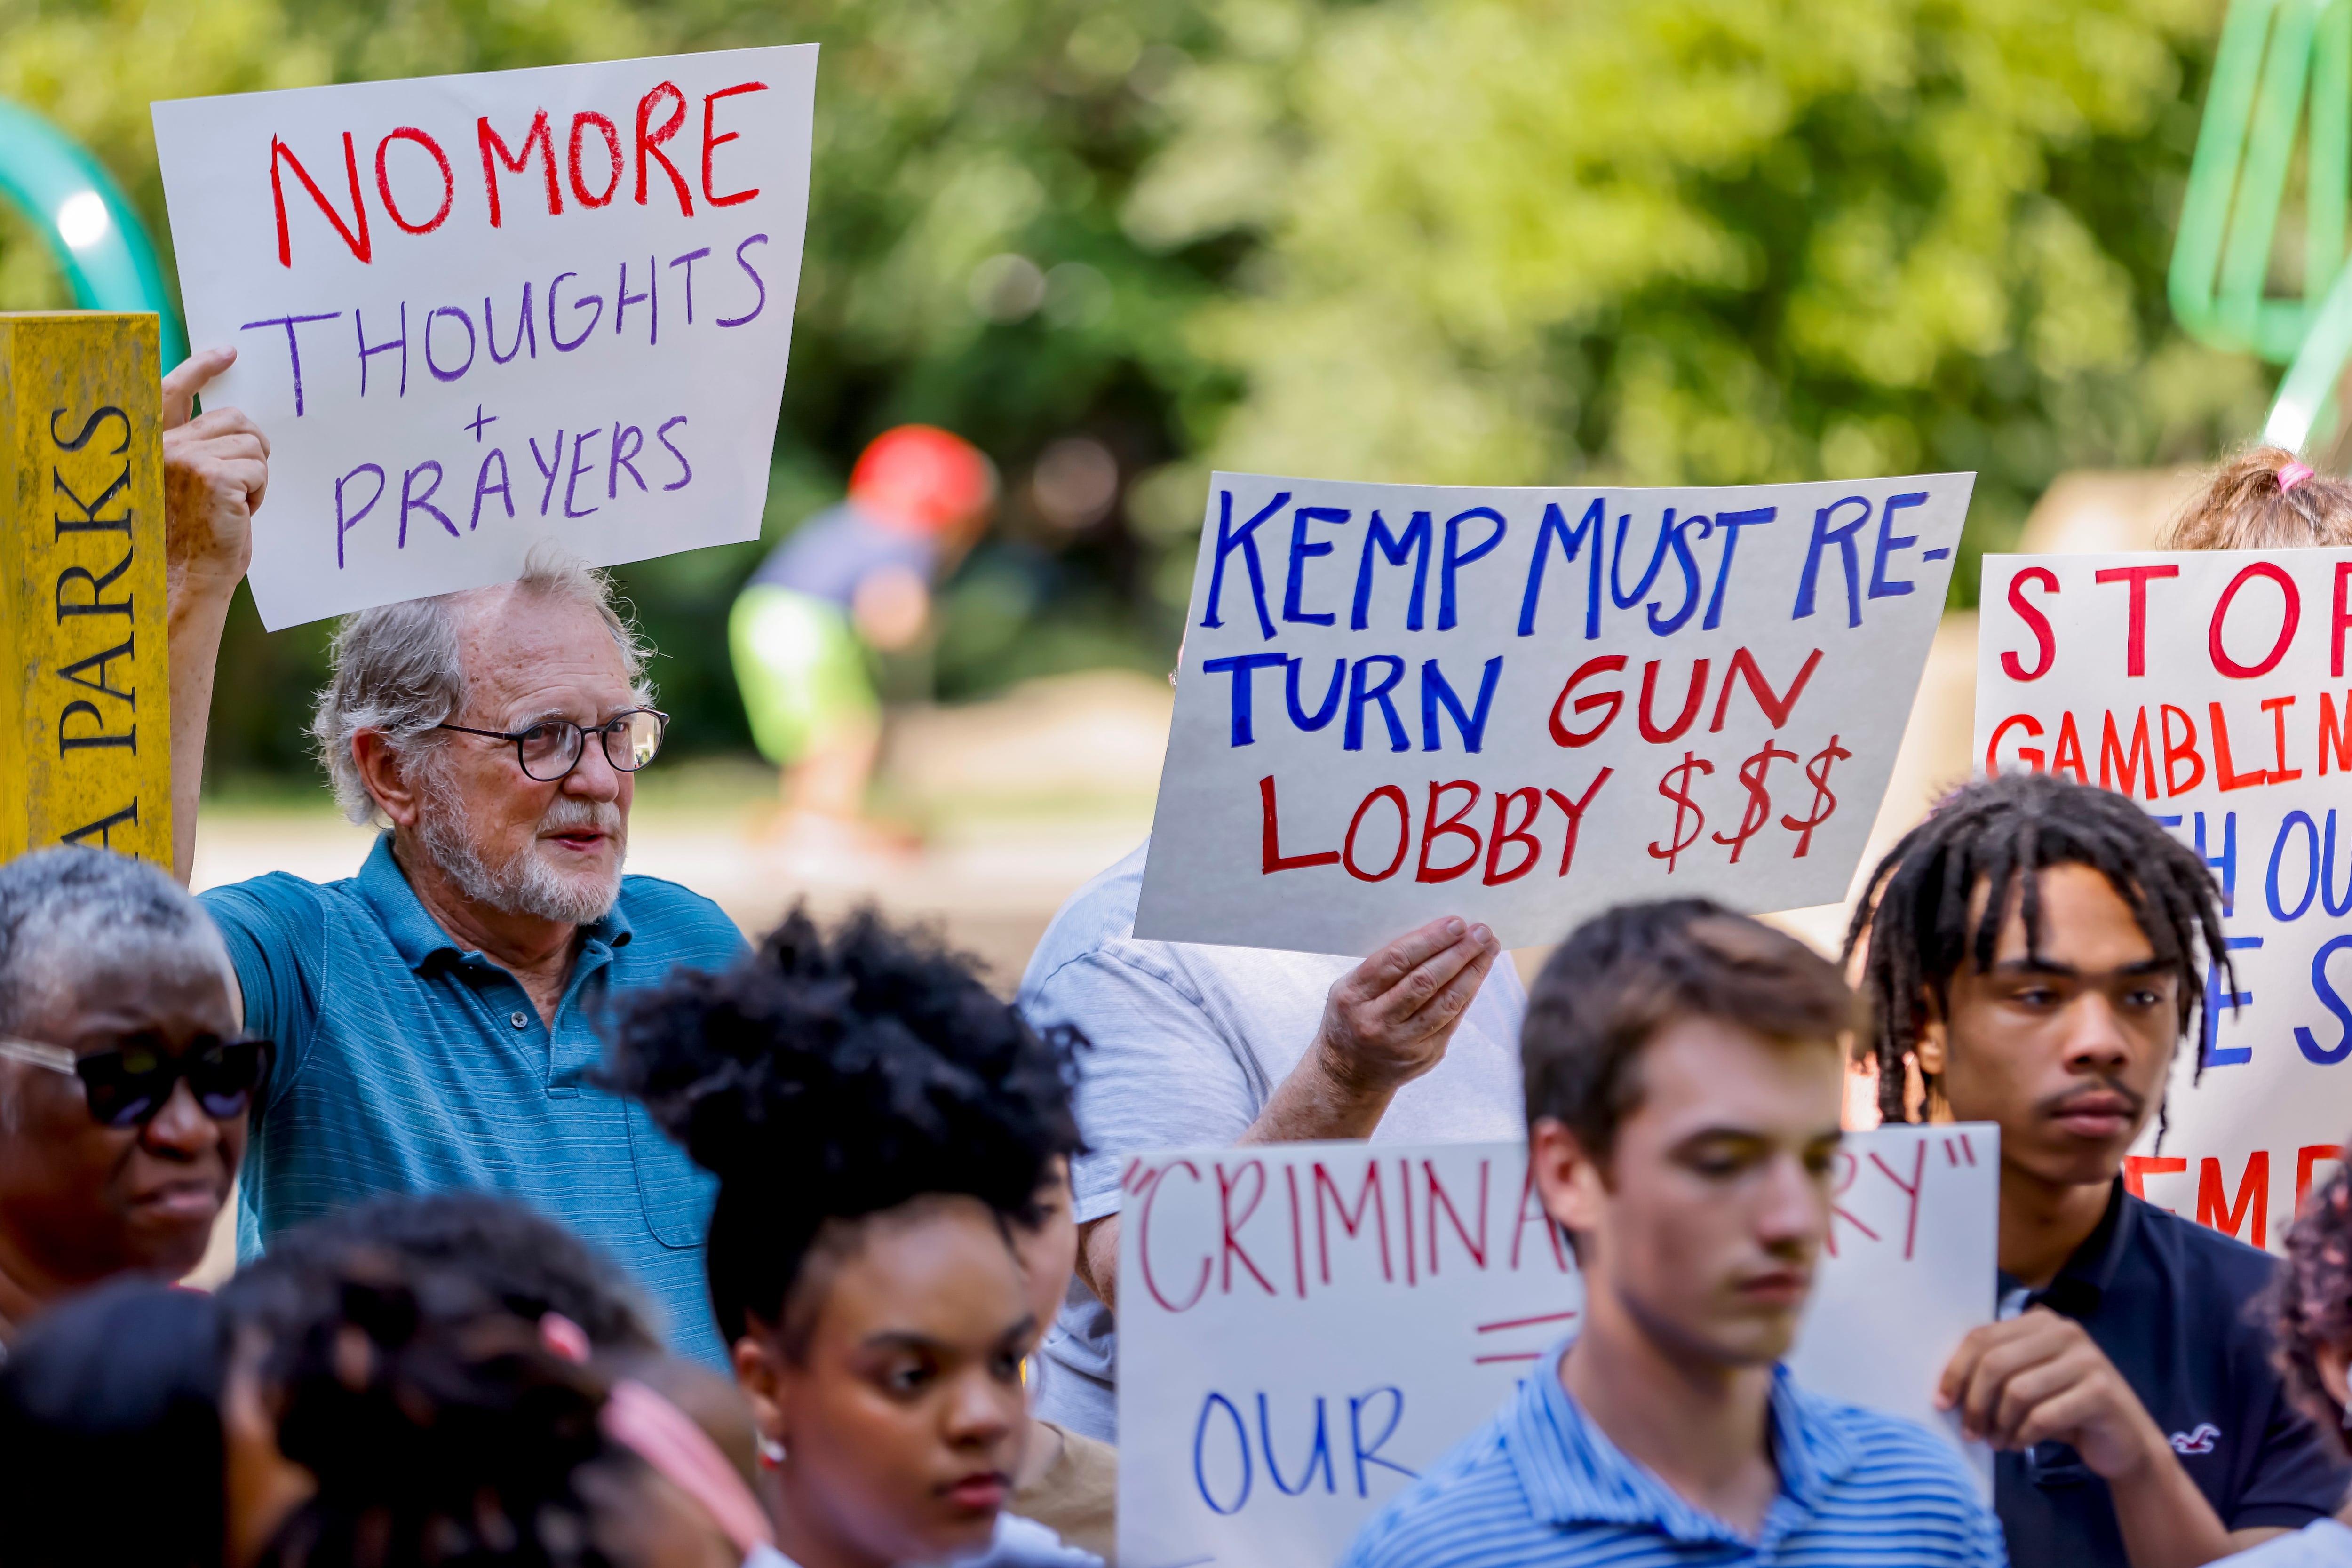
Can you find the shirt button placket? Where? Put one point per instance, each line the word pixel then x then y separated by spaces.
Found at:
pixel 519 1019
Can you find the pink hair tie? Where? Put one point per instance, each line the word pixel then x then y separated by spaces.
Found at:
pixel 2290 475
pixel 667 1439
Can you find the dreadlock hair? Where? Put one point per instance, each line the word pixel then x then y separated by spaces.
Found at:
pixel 521 1259
pixel 2311 1298
pixel 828 1078
pixel 2001 833
pixel 441 1429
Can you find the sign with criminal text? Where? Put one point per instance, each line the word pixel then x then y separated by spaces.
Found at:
pixel 477 312
pixel 2210 687
pixel 1520 706
pixel 1304 1328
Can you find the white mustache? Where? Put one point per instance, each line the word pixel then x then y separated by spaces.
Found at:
pixel 569 811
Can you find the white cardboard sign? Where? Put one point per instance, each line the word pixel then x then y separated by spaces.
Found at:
pixel 1305 1327
pixel 474 313
pixel 2210 687
pixel 1521 706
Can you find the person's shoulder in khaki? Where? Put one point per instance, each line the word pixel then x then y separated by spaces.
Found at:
pixel 1074 1491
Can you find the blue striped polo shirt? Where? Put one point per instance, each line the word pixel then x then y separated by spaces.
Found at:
pixel 409 1064
pixel 1542 1486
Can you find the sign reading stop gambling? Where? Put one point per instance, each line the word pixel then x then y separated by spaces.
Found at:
pixel 2210 687
pixel 1521 706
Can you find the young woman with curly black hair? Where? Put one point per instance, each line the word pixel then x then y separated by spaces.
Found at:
pixel 881 1126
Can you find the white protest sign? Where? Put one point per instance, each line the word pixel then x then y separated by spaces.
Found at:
pixel 1305 1327
pixel 474 313
pixel 1520 706
pixel 2210 687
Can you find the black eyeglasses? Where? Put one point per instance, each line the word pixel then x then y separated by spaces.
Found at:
pixel 551 748
pixel 126 1086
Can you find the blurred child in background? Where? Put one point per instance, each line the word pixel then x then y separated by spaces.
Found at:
pixel 2264 498
pixel 850 584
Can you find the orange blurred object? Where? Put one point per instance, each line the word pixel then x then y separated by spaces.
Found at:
pixel 926 478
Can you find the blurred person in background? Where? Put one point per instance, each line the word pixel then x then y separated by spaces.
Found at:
pixel 1192 1045
pixel 125 1082
pixel 881 1127
pixel 2033 953
pixel 2311 1308
pixel 2264 498
pixel 1684 1081
pixel 434 1014
pixel 849 584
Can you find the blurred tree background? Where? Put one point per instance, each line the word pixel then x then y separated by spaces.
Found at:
pixel 1494 241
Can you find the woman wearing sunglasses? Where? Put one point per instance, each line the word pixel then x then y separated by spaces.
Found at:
pixel 124 1084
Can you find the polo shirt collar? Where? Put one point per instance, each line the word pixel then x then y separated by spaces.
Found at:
pixel 418 938
pixel 1572 1474
pixel 2089 1272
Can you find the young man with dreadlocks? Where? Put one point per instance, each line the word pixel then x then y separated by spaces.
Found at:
pixel 2036 951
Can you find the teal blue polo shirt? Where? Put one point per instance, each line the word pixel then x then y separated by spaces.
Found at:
pixel 409 1064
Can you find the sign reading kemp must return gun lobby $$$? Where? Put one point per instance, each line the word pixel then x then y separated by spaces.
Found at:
pixel 477 312
pixel 1521 706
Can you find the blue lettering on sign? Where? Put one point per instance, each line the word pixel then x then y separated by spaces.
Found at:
pixel 1436 693
pixel 1843 537
pixel 1301 552
pixel 1200 1459
pixel 1397 548
pixel 2216 999
pixel 1244 539
pixel 1322 715
pixel 2333 1002
pixel 1224 1468
pixel 1555 526
pixel 1456 558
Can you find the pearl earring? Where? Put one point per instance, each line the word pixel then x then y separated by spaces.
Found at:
pixel 771 1453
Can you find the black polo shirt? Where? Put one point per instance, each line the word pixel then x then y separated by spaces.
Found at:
pixel 2176 1306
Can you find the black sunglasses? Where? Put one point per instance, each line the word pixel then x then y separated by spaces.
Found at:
pixel 126 1086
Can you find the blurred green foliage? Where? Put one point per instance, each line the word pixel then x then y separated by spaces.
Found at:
pixel 1502 241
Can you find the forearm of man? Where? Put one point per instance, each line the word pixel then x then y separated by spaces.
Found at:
pixel 196 615
pixel 2166 1521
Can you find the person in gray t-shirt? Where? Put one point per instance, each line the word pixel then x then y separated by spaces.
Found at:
pixel 1213 1045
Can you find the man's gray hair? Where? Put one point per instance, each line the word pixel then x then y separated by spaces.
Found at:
pixel 58 906
pixel 397 668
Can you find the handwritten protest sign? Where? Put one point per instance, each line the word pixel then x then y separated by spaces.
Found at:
pixel 2210 687
pixel 1398 702
pixel 1305 1327
pixel 474 313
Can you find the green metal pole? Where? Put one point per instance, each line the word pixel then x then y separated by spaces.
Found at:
pixel 88 222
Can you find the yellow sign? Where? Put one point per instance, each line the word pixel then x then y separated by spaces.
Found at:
pixel 85 714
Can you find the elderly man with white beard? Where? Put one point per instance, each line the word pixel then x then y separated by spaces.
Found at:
pixel 434 1015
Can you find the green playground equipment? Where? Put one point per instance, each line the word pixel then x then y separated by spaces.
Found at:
pixel 88 222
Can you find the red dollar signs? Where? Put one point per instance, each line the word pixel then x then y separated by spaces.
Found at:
pixel 1680 794
pixel 1759 799
pixel 1817 774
